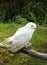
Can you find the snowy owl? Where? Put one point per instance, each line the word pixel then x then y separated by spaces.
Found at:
pixel 21 37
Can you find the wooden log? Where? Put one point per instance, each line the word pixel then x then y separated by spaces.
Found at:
pixel 30 51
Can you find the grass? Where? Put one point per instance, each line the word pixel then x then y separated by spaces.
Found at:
pixel 39 43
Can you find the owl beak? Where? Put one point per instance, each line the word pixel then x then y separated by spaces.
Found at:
pixel 35 28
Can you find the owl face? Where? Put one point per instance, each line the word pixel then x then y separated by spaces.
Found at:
pixel 31 25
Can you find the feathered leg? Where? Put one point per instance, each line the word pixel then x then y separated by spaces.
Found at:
pixel 18 46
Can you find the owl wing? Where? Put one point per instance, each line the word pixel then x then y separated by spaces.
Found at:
pixel 21 34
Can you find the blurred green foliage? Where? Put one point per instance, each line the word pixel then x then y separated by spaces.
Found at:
pixel 29 9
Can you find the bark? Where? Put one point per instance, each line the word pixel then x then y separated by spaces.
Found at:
pixel 35 53
pixel 30 51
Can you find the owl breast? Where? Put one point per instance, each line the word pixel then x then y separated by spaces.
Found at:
pixel 26 37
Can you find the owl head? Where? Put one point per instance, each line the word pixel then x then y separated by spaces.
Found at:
pixel 31 25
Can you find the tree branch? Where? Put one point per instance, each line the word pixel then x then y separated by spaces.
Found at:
pixel 30 51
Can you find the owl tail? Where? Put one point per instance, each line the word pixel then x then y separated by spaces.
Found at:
pixel 6 43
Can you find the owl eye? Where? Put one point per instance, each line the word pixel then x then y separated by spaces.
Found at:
pixel 31 25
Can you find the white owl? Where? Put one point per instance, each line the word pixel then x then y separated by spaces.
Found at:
pixel 21 37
